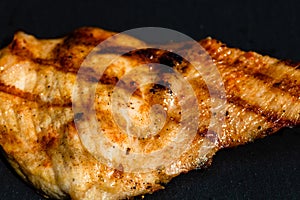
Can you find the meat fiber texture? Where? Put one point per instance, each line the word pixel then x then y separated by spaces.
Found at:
pixel 45 138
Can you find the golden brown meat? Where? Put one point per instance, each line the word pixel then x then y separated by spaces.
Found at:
pixel 37 120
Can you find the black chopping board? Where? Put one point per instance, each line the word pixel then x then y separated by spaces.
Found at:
pixel 266 169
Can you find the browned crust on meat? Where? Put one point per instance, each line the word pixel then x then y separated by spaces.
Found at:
pixel 253 64
pixel 258 67
pixel 246 117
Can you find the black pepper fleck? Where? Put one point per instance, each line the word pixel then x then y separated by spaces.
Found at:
pixel 227 113
pixel 78 116
pixel 127 151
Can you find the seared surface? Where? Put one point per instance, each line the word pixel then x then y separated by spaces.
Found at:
pixel 37 123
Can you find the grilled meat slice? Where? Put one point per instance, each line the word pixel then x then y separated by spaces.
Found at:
pixel 38 125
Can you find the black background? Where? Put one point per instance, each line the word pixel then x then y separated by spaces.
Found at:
pixel 266 169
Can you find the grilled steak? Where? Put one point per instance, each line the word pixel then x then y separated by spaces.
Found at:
pixel 39 129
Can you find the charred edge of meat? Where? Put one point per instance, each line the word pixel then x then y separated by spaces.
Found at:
pixel 20 50
pixel 82 36
pixel 291 63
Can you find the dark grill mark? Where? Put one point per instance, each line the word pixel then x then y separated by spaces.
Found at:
pixel 106 79
pixel 115 49
pixel 170 59
pixel 32 97
pixel 162 86
pixel 266 79
pixel 269 115
pixel 152 55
